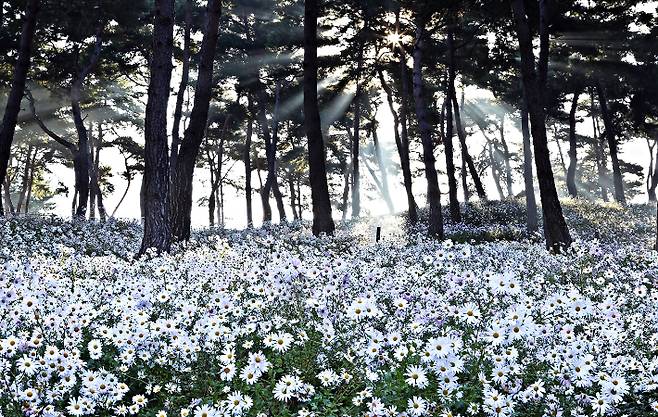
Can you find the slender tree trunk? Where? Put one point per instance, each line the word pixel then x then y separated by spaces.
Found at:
pixel 571 172
pixel 92 176
pixel 477 181
pixel 184 81
pixel 356 177
pixel 464 169
pixel 322 218
pixel 181 190
pixel 404 134
pixel 246 157
pixel 403 150
pixel 433 193
pixel 532 223
pixel 13 106
pixel 612 144
pixel 534 82
pixel 455 214
pixel 125 192
pixel 157 231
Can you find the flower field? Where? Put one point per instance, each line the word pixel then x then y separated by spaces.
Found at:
pixel 273 322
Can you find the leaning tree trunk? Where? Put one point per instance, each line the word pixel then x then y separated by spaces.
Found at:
pixel 479 187
pixel 532 223
pixel 322 219
pixel 612 144
pixel 403 150
pixel 157 232
pixel 435 222
pixel 404 133
pixel 13 106
pixel 182 178
pixel 571 171
pixel 534 82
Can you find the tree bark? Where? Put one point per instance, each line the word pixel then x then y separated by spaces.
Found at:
pixel 532 222
pixel 612 144
pixel 571 172
pixel 322 218
pixel 25 179
pixel 181 190
pixel 435 223
pixel 184 81
pixel 534 82
pixel 157 231
pixel 13 106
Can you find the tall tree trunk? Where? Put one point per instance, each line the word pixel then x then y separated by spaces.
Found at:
pixel 322 219
pixel 356 177
pixel 403 149
pixel 181 186
pixel 534 82
pixel 404 133
pixel 102 213
pixel 435 222
pixel 246 158
pixel 84 156
pixel 184 81
pixel 270 138
pixel 455 214
pixel 532 222
pixel 157 231
pixel 477 181
pixel 93 179
pixel 13 106
pixel 612 144
pixel 573 147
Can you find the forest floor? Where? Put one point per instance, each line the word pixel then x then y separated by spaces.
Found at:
pixel 275 322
